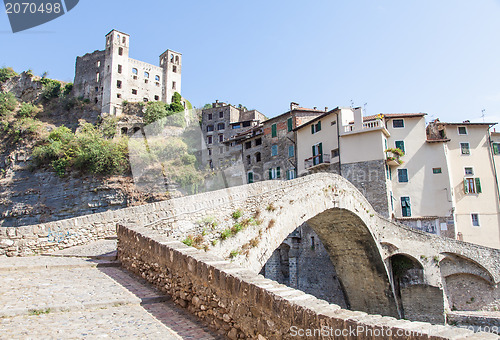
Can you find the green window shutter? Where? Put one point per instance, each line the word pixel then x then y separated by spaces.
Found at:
pixel 478 185
pixel 250 177
pixel 496 149
pixel 400 145
pixel 466 188
pixel 270 173
pixel 312 129
pixel 318 126
pixel 290 124
pixel 274 131
pixel 314 151
pixel 278 172
pixel 320 153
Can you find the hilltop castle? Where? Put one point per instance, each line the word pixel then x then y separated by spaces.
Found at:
pixel 110 77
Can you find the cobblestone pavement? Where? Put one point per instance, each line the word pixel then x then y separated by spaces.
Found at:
pixel 73 298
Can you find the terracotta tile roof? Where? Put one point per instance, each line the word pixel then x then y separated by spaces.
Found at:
pixel 395 115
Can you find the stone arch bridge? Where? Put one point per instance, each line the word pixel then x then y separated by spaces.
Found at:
pixel 370 253
pixel 383 267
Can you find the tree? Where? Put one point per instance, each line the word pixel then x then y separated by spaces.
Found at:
pixel 6 73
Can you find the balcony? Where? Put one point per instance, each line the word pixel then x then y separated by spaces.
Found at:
pixel 393 157
pixel 371 125
pixel 318 160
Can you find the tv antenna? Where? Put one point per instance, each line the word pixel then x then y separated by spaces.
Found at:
pixel 352 103
pixel 364 107
pixel 482 114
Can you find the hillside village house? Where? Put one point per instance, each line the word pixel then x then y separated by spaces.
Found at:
pixel 442 179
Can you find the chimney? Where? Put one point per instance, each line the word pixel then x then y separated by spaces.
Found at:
pixel 326 108
pixel 314 108
pixel 293 106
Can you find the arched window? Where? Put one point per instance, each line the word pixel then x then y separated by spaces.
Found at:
pixel 221 126
pixel 134 71
pixel 177 60
pixel 172 58
pixel 146 75
pixel 157 78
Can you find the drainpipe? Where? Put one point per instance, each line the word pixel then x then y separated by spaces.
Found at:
pixel 490 145
pixel 338 144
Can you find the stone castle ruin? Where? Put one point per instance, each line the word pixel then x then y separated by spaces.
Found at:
pixel 109 77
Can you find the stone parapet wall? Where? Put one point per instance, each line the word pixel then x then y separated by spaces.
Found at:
pixel 243 304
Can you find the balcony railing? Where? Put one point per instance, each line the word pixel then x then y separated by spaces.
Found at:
pixel 373 124
pixel 317 160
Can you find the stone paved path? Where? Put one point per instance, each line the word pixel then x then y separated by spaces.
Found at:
pixel 75 297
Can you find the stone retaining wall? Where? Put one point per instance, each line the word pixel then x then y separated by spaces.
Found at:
pixel 244 305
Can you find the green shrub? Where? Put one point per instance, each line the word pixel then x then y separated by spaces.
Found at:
pixel 8 103
pixel 51 88
pixel 27 110
pixel 109 125
pixel 188 241
pixel 236 214
pixel 233 254
pixel 6 73
pixel 225 234
pixel 67 89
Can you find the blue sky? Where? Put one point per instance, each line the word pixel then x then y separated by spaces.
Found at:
pixel 439 57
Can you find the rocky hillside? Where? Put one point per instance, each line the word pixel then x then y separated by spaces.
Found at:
pixel 44 177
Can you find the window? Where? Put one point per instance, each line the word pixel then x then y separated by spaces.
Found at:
pixel 469 171
pixel 97 77
pixel 335 153
pixel 124 40
pixel 398 123
pixel 274 130
pixel 250 177
pixel 290 124
pixel 157 78
pixel 317 151
pixel 157 98
pixel 402 175
pixel 221 138
pixel 209 152
pixel 291 151
pixel 436 170
pixel 145 100
pixel 462 130
pixel 405 206
pixel 465 148
pixel 245 124
pixel 118 95
pixel 134 71
pixel 210 128
pixel 221 126
pixel 316 127
pixel 475 220
pixel 96 89
pixel 174 69
pixel 209 140
pixel 120 51
pixel 257 157
pixel 221 114
pixel 98 63
pixel 275 173
pixel 173 85
pixel 274 150
pixel 249 160
pixel 146 75
pixel 210 116
pixel 400 144
pixel 387 172
pixel 290 174
pixel 258 141
pixel 472 185
pixel 119 68
pixel 248 145
pixel 119 84
pixel 496 148
pixel 236 126
pixel 134 91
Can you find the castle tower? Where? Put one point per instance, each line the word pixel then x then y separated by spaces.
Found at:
pixel 115 71
pixel 171 62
